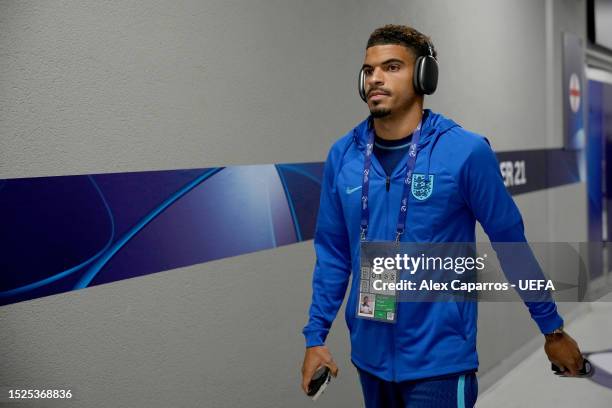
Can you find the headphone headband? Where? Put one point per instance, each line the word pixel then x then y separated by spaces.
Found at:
pixel 430 49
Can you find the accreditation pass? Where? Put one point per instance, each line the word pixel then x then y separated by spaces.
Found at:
pixel 373 304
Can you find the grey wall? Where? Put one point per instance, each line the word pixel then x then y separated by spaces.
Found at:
pixel 94 87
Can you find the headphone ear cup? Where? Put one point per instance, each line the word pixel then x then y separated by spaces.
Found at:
pixel 416 77
pixel 425 78
pixel 361 86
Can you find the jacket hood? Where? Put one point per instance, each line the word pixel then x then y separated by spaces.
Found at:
pixel 434 126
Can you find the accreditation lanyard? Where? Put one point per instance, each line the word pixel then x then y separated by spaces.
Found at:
pixel 365 210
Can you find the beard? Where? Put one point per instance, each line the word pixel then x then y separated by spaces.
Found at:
pixel 380 112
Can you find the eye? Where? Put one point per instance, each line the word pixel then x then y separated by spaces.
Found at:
pixel 394 67
pixel 367 71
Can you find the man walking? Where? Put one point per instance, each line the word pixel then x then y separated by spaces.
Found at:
pixel 428 357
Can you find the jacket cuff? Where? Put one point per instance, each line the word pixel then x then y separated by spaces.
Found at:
pixel 316 338
pixel 548 323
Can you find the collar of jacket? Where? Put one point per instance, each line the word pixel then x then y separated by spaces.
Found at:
pixel 435 125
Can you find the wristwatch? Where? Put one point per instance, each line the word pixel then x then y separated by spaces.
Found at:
pixel 558 330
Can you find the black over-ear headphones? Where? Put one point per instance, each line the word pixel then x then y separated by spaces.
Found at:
pixel 425 78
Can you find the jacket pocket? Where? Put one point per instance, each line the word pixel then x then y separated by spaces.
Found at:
pixel 348 316
pixel 456 317
pixel 351 306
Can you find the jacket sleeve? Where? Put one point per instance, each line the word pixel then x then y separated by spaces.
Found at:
pixel 485 193
pixel 333 261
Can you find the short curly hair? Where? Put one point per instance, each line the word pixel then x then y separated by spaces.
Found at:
pixel 409 37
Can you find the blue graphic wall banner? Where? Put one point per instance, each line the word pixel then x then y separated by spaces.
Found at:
pixel 70 232
pixel 599 150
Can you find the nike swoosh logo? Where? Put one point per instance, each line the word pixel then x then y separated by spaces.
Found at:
pixel 352 190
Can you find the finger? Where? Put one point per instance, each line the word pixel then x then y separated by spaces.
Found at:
pixel 573 368
pixel 562 370
pixel 307 376
pixel 334 369
pixel 305 382
pixel 580 362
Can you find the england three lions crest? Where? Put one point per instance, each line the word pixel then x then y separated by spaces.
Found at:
pixel 422 187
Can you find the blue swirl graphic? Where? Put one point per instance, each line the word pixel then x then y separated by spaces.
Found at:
pixel 110 252
pixel 67 272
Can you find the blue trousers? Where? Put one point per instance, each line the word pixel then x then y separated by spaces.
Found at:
pixel 456 391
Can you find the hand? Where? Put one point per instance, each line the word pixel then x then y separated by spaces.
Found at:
pixel 563 352
pixel 314 358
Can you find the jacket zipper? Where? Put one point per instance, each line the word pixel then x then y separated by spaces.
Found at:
pixel 393 336
pixel 394 331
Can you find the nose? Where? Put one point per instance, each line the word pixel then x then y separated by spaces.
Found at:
pixel 376 78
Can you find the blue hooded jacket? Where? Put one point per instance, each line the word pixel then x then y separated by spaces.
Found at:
pixel 429 338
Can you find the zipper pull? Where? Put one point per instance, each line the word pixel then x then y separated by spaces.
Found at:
pixel 387 184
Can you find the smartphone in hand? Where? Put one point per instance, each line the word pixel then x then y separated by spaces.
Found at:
pixel 586 371
pixel 319 382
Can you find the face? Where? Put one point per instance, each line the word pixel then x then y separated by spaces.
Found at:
pixel 388 73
